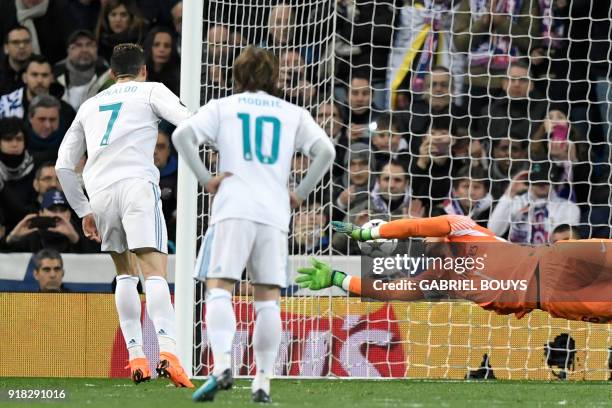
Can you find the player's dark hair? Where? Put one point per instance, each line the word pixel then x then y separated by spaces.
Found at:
pixel 127 59
pixel 47 254
pixel 256 69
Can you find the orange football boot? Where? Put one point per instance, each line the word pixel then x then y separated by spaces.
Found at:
pixel 170 367
pixel 139 367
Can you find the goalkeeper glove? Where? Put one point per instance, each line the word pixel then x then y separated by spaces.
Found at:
pixel 319 277
pixel 353 231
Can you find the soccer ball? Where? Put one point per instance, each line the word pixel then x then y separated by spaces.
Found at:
pixel 376 248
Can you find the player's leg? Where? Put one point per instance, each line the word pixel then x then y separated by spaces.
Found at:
pixel 268 269
pixel 222 258
pixel 145 230
pixel 106 209
pixel 266 339
pixel 220 322
pixel 128 305
pixel 153 265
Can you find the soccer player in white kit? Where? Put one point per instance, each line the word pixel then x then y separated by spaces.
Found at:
pixel 256 135
pixel 118 130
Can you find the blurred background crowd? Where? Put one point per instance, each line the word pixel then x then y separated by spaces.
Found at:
pixel 494 109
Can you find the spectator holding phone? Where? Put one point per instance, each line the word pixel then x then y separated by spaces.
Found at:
pixel 556 140
pixel 530 209
pixel 51 228
pixel 433 166
pixel 508 157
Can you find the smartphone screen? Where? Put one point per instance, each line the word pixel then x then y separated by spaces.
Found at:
pixel 43 222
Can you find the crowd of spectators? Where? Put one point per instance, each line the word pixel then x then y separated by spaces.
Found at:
pixel 494 109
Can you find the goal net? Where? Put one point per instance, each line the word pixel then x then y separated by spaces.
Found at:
pixel 498 110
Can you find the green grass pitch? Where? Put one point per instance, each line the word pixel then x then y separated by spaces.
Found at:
pixel 334 393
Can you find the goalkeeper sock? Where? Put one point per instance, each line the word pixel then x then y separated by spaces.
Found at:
pixel 161 312
pixel 266 340
pixel 221 327
pixel 128 309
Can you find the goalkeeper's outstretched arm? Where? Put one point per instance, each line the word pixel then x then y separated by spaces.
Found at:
pixel 400 229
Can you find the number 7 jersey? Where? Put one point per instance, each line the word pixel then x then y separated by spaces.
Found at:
pixel 118 129
pixel 256 135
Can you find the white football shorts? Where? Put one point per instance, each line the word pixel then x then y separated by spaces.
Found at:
pixel 129 215
pixel 232 245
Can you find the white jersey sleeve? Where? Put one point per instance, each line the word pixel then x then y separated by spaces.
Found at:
pixel 73 146
pixel 70 152
pixel 308 133
pixel 167 105
pixel 205 123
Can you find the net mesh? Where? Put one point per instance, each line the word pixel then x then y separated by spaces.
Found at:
pixel 498 110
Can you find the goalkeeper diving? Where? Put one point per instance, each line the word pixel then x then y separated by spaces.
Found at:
pixel 570 279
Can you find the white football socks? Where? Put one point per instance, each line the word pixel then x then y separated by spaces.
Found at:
pixel 128 309
pixel 220 327
pixel 161 313
pixel 266 341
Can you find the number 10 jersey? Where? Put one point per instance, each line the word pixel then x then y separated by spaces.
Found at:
pixel 256 135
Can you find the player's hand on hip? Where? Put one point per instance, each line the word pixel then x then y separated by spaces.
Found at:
pixel 352 230
pixel 90 229
pixel 213 185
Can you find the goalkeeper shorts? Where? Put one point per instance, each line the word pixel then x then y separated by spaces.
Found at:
pixel 232 245
pixel 129 215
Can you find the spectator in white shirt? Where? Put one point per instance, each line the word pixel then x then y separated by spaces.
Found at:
pixel 530 209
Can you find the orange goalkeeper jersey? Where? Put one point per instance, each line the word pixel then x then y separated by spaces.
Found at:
pixel 570 280
pixel 504 262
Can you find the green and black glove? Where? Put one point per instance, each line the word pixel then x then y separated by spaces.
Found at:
pixel 353 231
pixel 320 276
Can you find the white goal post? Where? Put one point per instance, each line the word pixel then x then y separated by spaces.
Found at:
pixel 186 206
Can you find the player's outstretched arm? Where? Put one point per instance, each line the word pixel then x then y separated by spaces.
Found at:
pixel 322 276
